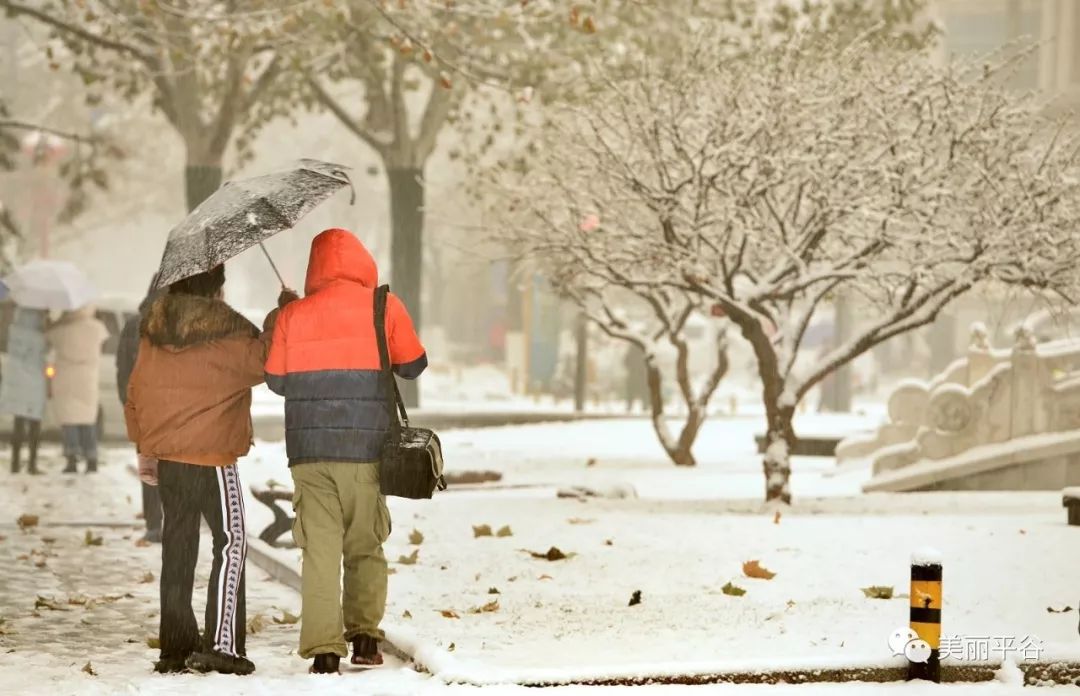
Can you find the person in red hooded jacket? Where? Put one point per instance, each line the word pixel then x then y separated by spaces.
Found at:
pixel 324 360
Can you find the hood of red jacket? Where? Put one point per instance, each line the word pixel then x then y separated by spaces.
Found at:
pixel 337 254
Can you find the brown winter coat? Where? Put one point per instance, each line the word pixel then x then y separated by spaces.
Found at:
pixel 189 399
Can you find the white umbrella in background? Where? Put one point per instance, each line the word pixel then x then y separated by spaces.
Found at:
pixel 46 284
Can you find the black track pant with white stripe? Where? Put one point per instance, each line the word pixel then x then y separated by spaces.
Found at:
pixel 189 492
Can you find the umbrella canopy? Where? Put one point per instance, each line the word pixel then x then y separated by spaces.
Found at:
pixel 46 284
pixel 244 213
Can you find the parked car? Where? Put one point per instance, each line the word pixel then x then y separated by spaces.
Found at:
pixel 113 312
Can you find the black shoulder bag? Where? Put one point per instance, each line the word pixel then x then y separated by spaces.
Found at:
pixel 412 460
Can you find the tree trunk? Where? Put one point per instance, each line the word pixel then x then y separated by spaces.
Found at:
pixel 779 441
pixel 406 250
pixel 679 451
pixel 201 180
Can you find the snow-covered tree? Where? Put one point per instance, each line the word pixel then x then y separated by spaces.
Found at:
pixel 205 64
pixel 766 182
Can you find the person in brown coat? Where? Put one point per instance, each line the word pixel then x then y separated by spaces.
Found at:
pixel 189 407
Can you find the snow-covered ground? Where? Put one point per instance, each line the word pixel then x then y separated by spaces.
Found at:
pixel 1006 557
pixel 686 536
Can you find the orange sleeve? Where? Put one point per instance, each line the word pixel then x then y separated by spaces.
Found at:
pixel 275 367
pixel 131 402
pixel 407 354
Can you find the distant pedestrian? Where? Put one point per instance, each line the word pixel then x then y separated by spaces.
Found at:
pixel 24 389
pixel 189 408
pixel 126 353
pixel 325 361
pixel 76 341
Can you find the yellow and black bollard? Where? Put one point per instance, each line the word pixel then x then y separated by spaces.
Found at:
pixel 924 658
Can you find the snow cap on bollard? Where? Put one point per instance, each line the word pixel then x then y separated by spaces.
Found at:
pixel 926 556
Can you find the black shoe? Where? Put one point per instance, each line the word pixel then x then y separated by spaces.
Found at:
pixel 153 536
pixel 366 651
pixel 91 466
pixel 214 661
pixel 71 468
pixel 171 665
pixel 326 663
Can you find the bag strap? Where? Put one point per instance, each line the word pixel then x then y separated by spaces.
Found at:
pixel 386 373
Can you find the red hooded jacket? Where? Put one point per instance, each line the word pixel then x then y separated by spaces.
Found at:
pixel 324 359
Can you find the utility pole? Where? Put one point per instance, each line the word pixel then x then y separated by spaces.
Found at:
pixel 581 375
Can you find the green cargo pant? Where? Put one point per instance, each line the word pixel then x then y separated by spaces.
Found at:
pixel 340 517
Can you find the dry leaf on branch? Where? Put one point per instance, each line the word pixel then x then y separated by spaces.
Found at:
pixel 732 590
pixel 878 591
pixel 753 569
pixel 482 530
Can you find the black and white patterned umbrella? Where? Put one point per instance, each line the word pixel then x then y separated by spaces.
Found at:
pixel 244 213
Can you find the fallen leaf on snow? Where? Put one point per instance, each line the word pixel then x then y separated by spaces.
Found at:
pixel 91 540
pixel 635 599
pixel 411 559
pixel 27 521
pixel 147 577
pixel 552 554
pixel 40 564
pixel 416 538
pixel 287 618
pixel 488 608
pixel 256 624
pixel 46 603
pixel 407 614
pixel 482 530
pixel 545 577
pixel 591 462
pixel 89 669
pixel 451 648
pixel 493 590
pixel 753 569
pixel 505 532
pixel 1063 610
pixel 142 543
pixel 608 542
pixel 153 643
pixel 776 518
pixel 272 484
pixel 44 540
pixel 732 590
pixel 449 614
pixel 580 520
pixel 878 591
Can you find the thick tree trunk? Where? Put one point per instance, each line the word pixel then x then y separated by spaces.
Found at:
pixel 201 180
pixel 406 250
pixel 779 441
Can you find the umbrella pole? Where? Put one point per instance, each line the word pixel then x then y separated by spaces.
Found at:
pixel 272 264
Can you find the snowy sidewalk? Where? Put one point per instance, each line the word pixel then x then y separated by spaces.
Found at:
pixel 79 602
